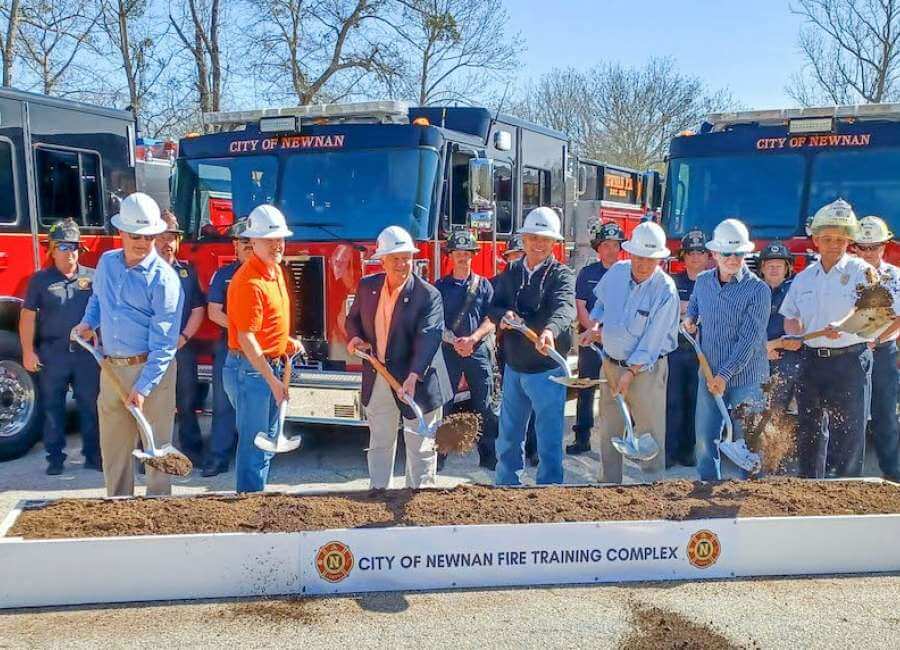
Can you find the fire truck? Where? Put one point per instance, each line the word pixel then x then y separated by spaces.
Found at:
pixel 58 159
pixel 340 174
pixel 773 170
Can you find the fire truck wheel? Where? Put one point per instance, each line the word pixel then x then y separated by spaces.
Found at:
pixel 19 409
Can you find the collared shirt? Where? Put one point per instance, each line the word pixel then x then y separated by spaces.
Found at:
pixel 454 294
pixel 586 282
pixel 818 298
pixel 59 301
pixel 640 320
pixel 733 318
pixel 260 304
pixel 138 311
pixel 775 328
pixel 190 284
pixel 218 288
pixel 384 313
pixel 529 271
pixel 890 278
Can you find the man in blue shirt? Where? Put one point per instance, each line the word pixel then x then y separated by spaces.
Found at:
pixel 186 382
pixel 607 242
pixel 466 297
pixel 223 436
pixel 681 389
pixel 137 304
pixel 54 303
pixel 731 306
pixel 636 316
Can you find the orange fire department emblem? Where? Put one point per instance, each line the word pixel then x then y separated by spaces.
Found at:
pixel 703 549
pixel 334 561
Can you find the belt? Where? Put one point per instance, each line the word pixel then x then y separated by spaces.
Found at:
pixel 827 353
pixel 272 361
pixel 127 361
pixel 621 364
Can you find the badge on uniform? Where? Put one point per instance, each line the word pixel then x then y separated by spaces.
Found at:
pixel 84 283
pixel 183 273
pixel 845 279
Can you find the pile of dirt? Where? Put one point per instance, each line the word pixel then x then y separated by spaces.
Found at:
pixel 458 433
pixel 659 629
pixel 174 463
pixel 465 504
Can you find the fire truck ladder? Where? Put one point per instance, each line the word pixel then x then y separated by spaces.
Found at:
pixel 380 112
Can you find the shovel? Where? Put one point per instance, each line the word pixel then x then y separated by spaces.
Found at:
pixel 181 464
pixel 569 380
pixel 279 443
pixel 641 447
pixel 737 452
pixel 425 430
pixel 867 323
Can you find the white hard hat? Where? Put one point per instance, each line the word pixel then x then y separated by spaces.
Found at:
pixel 873 230
pixel 648 239
pixel 266 222
pixel 394 239
pixel 731 236
pixel 543 222
pixel 139 215
pixel 838 214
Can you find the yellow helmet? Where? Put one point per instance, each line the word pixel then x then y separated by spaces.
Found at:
pixel 838 214
pixel 873 230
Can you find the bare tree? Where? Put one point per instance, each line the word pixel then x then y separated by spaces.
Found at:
pixel 12 14
pixel 198 28
pixel 454 49
pixel 52 33
pixel 851 51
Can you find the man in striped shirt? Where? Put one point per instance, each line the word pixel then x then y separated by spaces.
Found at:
pixel 731 306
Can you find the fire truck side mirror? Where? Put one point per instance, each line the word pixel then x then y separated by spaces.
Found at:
pixel 481 183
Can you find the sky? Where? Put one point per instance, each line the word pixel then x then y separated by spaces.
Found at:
pixel 748 48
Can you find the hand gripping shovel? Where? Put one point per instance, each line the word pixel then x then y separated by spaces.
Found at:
pixel 166 459
pixel 737 452
pixel 569 380
pixel 280 443
pixel 641 447
pixel 425 430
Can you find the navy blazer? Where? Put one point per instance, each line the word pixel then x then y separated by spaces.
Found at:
pixel 414 338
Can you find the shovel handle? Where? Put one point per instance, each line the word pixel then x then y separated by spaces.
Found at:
pixel 380 369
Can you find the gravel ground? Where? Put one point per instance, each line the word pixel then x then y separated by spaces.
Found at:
pixel 751 613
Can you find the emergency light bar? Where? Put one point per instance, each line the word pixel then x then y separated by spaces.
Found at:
pixel 279 124
pixel 720 121
pixel 385 112
pixel 811 125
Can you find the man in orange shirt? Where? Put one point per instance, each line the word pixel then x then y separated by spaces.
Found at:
pixel 258 339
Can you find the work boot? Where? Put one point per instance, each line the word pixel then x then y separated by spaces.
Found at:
pixel 577 448
pixel 54 468
pixel 214 469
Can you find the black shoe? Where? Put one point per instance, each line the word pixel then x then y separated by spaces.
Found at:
pixel 488 462
pixel 54 468
pixel 214 469
pixel 93 463
pixel 578 448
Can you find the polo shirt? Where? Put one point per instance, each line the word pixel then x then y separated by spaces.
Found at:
pixel 258 302
pixel 586 282
pixel 59 301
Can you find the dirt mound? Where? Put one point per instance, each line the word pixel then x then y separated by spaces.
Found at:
pixel 175 463
pixel 659 629
pixel 458 433
pixel 466 504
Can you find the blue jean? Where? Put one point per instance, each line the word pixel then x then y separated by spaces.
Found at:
pixel 223 431
pixel 256 411
pixel 883 425
pixel 522 393
pixel 189 438
pixel 708 424
pixel 589 367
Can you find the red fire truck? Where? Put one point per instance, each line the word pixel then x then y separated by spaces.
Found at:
pixel 58 159
pixel 774 169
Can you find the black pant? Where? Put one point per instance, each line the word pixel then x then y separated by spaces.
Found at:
pixel 681 403
pixel 588 367
pixel 834 386
pixel 883 425
pixel 189 439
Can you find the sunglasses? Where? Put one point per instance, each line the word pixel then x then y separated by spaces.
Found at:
pixel 733 254
pixel 868 247
pixel 67 247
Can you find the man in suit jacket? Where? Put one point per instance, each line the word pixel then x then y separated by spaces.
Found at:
pixel 399 318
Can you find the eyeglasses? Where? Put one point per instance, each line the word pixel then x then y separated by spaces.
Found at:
pixel 67 247
pixel 732 254
pixel 868 247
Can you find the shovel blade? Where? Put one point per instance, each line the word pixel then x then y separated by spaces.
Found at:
pixel 869 321
pixel 642 448
pixel 578 383
pixel 278 445
pixel 738 454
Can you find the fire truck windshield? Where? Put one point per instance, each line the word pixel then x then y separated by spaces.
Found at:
pixel 355 192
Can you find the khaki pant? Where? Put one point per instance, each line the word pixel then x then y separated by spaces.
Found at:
pixel 383 415
pixel 646 399
pixel 119 434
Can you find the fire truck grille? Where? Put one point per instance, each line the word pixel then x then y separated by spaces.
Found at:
pixel 306 276
pixel 345 411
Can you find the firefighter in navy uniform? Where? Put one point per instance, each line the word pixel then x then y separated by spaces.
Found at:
pixel 775 265
pixel 607 242
pixel 54 304
pixel 684 369
pixel 186 383
pixel 223 430
pixel 466 340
